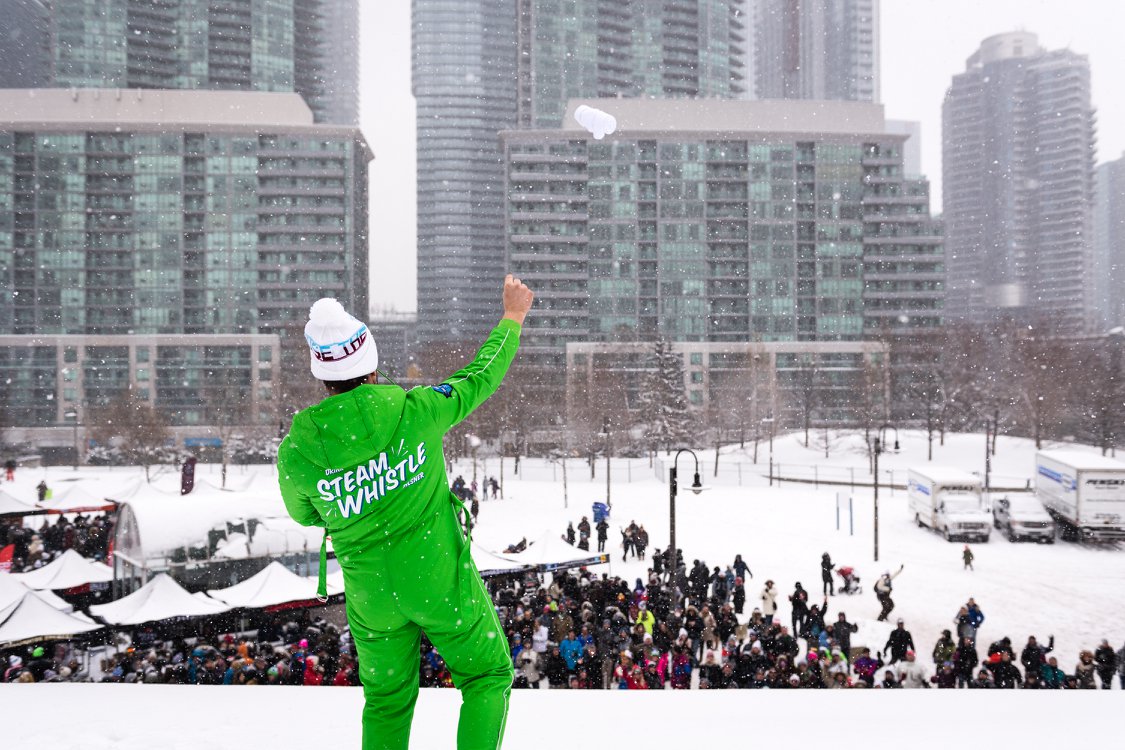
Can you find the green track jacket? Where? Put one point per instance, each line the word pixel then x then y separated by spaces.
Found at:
pixel 368 464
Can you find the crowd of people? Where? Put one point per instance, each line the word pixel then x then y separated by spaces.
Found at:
pixel 582 630
pixel 305 651
pixel 585 631
pixel 88 535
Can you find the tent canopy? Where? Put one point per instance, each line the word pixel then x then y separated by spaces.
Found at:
pixel 273 585
pixel 12 590
pixel 78 498
pixel 159 599
pixel 32 619
pixel 10 505
pixel 549 552
pixel 68 571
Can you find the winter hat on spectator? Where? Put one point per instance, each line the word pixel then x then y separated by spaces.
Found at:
pixel 340 346
pixel 15 661
pixel 37 652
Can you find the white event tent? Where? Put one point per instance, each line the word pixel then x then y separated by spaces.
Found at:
pixel 273 586
pixel 12 590
pixel 159 599
pixel 70 570
pixel 32 619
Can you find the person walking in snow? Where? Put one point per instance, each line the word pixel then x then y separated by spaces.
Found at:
pixel 769 602
pixel 739 595
pixel 584 534
pixel 1106 660
pixel 967 558
pixel 603 534
pixel 366 464
pixel 741 569
pixel 826 566
pixel 799 600
pixel 883 589
pixel 899 642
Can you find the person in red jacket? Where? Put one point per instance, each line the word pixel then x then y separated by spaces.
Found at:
pixel 345 675
pixel 314 673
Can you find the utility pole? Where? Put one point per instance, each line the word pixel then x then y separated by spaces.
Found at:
pixel 878 449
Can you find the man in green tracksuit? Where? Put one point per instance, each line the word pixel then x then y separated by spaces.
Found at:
pixel 366 463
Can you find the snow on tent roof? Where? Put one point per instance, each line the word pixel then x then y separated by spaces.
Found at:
pixel 272 536
pixel 275 584
pixel 166 521
pixel 550 552
pixel 12 590
pixel 948 474
pixel 32 619
pixel 10 505
pixel 80 497
pixel 66 572
pixel 159 599
pixel 1084 461
pixel 491 564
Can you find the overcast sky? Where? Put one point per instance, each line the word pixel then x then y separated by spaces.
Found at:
pixel 924 43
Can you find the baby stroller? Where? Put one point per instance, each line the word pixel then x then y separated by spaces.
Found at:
pixel 850 579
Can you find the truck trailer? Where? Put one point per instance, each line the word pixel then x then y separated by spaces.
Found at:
pixel 950 502
pixel 1084 492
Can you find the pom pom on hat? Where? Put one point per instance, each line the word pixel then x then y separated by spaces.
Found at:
pixel 340 346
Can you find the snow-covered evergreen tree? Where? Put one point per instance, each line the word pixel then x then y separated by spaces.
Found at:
pixel 663 401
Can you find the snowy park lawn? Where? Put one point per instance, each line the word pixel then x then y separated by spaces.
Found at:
pixel 185 717
pixel 1075 592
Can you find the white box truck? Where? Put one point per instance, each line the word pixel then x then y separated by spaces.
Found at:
pixel 950 502
pixel 1084 492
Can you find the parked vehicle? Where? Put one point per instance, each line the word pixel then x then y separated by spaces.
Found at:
pixel 1023 517
pixel 950 502
pixel 1084 492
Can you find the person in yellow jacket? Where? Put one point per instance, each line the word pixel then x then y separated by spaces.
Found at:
pixel 644 617
pixel 366 464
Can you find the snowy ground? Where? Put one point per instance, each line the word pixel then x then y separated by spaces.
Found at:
pixel 1072 591
pixel 173 717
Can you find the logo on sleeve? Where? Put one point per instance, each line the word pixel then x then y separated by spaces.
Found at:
pixel 444 389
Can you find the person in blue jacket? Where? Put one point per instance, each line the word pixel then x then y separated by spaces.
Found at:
pixel 976 617
pixel 571 650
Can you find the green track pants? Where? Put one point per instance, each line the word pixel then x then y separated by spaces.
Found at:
pixel 424 581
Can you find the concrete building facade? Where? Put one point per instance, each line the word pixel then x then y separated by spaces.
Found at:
pixel 170 213
pixel 1018 138
pixel 777 222
pixel 305 46
pixel 816 49
pixel 1109 244
pixel 627 48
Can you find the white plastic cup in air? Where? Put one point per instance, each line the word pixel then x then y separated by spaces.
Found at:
pixel 599 123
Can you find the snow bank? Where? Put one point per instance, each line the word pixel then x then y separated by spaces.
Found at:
pixel 175 717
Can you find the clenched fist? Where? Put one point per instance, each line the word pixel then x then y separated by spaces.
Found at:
pixel 517 299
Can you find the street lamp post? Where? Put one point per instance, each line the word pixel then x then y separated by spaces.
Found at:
pixel 878 450
pixel 72 414
pixel 696 487
pixel 605 428
pixel 769 421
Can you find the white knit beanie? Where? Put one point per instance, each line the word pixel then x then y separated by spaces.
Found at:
pixel 340 347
